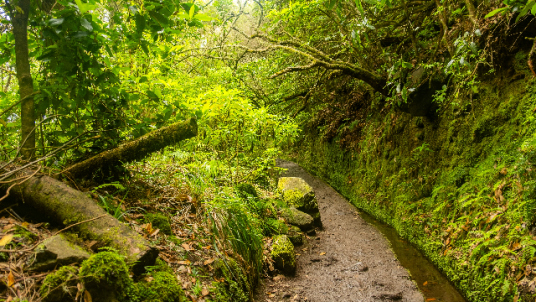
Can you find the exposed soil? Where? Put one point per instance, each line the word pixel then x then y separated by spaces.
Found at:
pixel 348 260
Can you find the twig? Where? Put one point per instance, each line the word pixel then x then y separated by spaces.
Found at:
pixel 56 233
pixel 19 101
pixel 20 183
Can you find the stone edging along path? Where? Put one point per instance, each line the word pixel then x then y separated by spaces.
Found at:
pixel 348 260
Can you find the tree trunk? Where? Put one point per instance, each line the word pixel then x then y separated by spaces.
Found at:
pixel 64 205
pixel 136 149
pixel 24 76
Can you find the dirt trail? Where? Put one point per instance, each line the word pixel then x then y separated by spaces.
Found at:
pixel 358 264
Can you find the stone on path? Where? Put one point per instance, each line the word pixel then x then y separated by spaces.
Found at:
pixel 299 194
pixel 283 254
pixel 295 235
pixel 297 218
pixel 57 251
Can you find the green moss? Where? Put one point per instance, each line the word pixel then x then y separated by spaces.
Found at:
pixel 283 254
pixel 476 153
pixel 107 272
pixel 159 221
pixel 60 285
pixel 160 284
pixel 236 286
pixel 245 190
pixel 25 234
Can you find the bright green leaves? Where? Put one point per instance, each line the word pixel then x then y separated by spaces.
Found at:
pixel 496 11
pixel 530 6
pixel 191 13
pixel 84 7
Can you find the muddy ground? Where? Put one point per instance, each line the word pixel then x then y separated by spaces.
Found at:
pixel 348 260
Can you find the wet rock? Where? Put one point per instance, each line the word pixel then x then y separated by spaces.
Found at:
pixel 57 251
pixel 297 218
pixel 295 235
pixel 283 254
pixel 297 193
pixel 390 296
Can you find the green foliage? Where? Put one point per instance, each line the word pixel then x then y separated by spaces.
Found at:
pixel 159 284
pixel 60 284
pixel 236 286
pixel 468 205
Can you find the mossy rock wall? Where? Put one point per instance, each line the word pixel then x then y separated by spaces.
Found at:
pixel 461 187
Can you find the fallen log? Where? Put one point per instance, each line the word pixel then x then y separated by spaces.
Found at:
pixel 136 149
pixel 64 205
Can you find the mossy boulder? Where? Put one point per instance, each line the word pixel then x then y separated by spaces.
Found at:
pixel 245 190
pixel 236 286
pixel 159 221
pixel 159 285
pixel 60 286
pixel 298 218
pixel 297 193
pixel 295 235
pixel 106 277
pixel 57 251
pixel 283 254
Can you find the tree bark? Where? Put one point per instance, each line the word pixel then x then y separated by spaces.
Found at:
pixel 64 205
pixel 136 149
pixel 20 11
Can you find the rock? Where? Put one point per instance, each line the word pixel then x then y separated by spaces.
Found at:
pixel 57 251
pixel 283 254
pixel 390 296
pixel 298 218
pixel 295 235
pixel 316 219
pixel 297 193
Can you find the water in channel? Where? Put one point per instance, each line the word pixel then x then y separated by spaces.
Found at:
pixel 432 283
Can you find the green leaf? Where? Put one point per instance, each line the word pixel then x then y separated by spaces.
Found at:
pixel 144 47
pixel 203 17
pixel 152 95
pixel 191 12
pixel 359 6
pixel 55 22
pixel 86 24
pixel 494 12
pixel 533 10
pixel 159 18
pixel 525 10
pixel 140 23
pixel 407 65
pixel 184 16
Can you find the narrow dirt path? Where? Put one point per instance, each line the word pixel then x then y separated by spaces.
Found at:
pixel 348 260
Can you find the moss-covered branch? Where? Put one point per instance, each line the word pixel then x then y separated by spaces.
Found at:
pixel 136 149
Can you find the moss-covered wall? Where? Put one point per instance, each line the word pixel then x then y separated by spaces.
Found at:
pixel 460 186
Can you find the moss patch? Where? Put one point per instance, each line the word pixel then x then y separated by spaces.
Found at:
pixel 160 284
pixel 283 254
pixel 60 285
pixel 106 273
pixel 159 221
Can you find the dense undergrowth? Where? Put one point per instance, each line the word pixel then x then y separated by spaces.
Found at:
pixel 459 186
